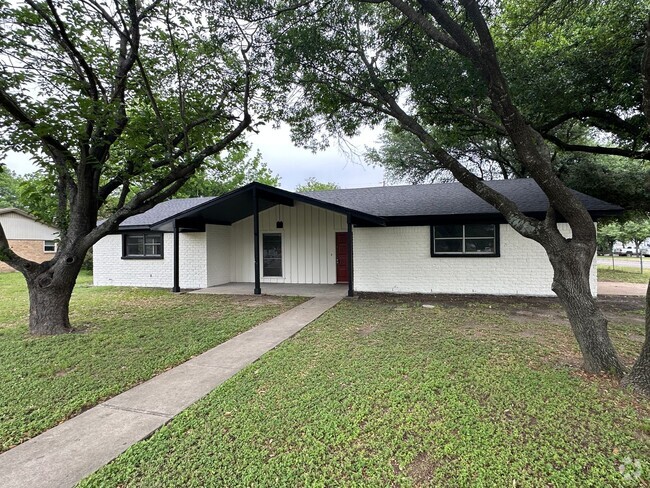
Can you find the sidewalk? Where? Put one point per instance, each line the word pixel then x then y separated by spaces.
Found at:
pixel 69 452
pixel 614 288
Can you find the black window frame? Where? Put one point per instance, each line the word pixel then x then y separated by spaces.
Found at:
pixel 280 234
pixel 463 254
pixel 144 235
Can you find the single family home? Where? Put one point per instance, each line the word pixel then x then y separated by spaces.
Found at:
pixel 436 238
pixel 27 236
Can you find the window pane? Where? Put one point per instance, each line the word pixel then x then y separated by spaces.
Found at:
pixel 135 245
pixel 153 245
pixel 479 246
pixel 272 254
pixel 448 245
pixel 449 231
pixel 479 230
pixel 49 246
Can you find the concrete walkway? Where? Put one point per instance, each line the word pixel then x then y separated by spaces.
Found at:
pixel 614 288
pixel 69 452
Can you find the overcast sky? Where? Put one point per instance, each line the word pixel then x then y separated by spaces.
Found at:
pixel 293 164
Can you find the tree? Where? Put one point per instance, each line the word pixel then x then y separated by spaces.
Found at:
pixel 401 60
pixel 227 173
pixel 9 191
pixel 636 231
pixel 608 234
pixel 312 184
pixel 117 102
pixel 615 179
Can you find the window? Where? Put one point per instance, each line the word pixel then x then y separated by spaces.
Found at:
pixel 142 245
pixel 465 240
pixel 49 246
pixel 272 254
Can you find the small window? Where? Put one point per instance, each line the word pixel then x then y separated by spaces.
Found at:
pixel 49 246
pixel 465 240
pixel 272 254
pixel 143 245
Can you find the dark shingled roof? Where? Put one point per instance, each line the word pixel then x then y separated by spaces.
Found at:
pixel 406 204
pixel 446 199
pixel 164 210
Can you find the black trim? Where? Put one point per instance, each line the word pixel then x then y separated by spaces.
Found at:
pixel 125 235
pixel 350 258
pixel 257 290
pixel 497 243
pixel 177 261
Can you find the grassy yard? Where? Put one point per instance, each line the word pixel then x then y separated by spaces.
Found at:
pixel 385 392
pixel 626 275
pixel 125 336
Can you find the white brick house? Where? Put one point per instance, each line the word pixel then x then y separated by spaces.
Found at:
pixel 407 239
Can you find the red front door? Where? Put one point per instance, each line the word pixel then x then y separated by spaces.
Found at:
pixel 342 257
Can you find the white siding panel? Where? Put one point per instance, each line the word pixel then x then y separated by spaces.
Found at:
pixel 306 255
pixel 218 239
pixel 19 227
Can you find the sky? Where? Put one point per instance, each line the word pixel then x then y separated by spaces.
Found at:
pixel 293 164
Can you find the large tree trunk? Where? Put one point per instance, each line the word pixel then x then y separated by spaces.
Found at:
pixel 639 377
pixel 589 325
pixel 49 297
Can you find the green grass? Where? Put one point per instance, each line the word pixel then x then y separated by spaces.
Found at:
pixel 125 336
pixel 622 274
pixel 388 393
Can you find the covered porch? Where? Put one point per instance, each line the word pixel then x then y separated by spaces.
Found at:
pixel 260 236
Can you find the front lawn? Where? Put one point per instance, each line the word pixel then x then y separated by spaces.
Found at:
pixel 623 274
pixel 385 392
pixel 124 336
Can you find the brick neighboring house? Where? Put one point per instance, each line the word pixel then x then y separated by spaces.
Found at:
pixel 438 238
pixel 27 237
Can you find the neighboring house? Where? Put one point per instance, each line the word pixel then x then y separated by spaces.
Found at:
pixel 438 238
pixel 27 237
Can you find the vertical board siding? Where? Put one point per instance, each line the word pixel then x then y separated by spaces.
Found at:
pixel 308 244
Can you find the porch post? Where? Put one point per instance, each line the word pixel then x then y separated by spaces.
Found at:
pixel 176 288
pixel 256 236
pixel 350 259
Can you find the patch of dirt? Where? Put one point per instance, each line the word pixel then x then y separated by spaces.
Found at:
pixel 520 308
pixel 366 330
pixel 421 469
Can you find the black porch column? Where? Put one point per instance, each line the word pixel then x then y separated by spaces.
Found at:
pixel 176 288
pixel 350 259
pixel 256 235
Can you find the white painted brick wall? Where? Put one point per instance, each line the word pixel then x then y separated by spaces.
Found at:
pixel 110 269
pixel 398 260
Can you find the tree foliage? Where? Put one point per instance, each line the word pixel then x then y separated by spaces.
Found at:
pixel 312 184
pixel 9 189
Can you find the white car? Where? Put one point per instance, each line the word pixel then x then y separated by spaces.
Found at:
pixel 644 250
pixel 624 251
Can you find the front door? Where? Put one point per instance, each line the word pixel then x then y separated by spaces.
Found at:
pixel 342 257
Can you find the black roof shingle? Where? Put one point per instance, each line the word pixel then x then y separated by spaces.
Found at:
pixel 405 203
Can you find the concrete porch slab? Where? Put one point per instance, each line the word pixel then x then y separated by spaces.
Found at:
pixel 277 289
